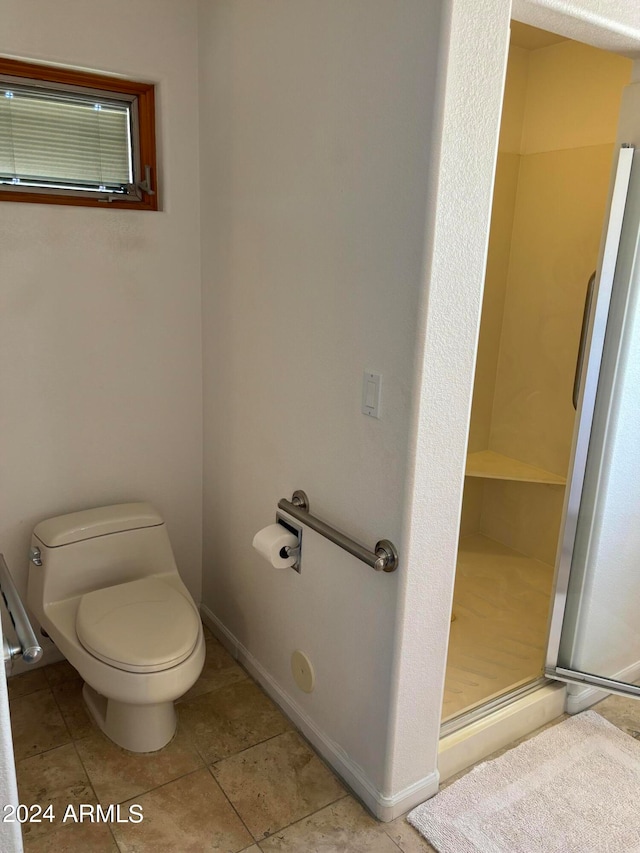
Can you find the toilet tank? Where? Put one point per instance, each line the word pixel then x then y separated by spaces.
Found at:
pixel 95 548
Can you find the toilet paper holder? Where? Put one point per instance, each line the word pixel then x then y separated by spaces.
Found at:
pixel 296 550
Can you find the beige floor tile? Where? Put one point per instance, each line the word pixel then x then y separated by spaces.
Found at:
pixel 118 775
pixel 276 783
pixel 230 719
pixel 622 711
pixel 343 827
pixel 220 670
pixel 55 778
pixel 406 837
pixel 36 724
pixel 74 838
pixel 68 695
pixel 208 633
pixel 191 815
pixel 58 673
pixel 28 682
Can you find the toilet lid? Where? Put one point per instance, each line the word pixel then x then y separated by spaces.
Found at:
pixel 141 626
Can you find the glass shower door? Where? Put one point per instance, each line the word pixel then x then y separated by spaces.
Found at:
pixel 594 634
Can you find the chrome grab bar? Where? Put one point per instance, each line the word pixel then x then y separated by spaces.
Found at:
pixel 582 346
pixel 384 558
pixel 28 647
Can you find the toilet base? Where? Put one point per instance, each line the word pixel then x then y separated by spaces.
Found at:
pixel 138 728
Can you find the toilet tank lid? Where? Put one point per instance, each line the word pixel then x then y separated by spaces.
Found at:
pixel 90 523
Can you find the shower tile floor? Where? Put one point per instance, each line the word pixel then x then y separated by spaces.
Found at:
pixel 237 776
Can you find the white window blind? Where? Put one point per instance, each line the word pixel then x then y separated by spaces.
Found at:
pixel 60 139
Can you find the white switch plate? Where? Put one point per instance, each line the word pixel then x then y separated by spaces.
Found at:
pixel 371 388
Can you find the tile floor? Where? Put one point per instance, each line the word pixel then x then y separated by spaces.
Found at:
pixel 237 776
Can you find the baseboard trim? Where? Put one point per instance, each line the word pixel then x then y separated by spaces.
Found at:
pixel 385 808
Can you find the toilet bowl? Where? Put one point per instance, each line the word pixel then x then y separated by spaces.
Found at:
pixel 104 585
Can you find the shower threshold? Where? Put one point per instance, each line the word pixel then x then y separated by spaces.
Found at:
pixel 472 736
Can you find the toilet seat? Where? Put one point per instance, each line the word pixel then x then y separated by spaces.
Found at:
pixel 141 626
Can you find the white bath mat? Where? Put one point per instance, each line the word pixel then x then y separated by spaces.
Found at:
pixel 574 788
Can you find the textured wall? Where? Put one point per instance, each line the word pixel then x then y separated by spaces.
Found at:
pixel 609 24
pixel 470 103
pixel 316 126
pixel 100 309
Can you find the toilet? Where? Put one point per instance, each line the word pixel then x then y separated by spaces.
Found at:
pixel 104 585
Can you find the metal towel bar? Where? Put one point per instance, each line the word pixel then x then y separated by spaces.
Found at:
pixel 28 647
pixel 384 558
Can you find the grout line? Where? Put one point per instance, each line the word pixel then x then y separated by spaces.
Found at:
pixel 86 772
pixel 245 749
pixel 64 718
pixel 25 695
pixel 42 752
pixel 147 790
pixel 155 788
pixel 181 700
pixel 304 817
pixel 199 752
pixel 384 829
pixel 162 785
pixel 115 840
pixel 224 794
pixel 210 766
pixel 28 695
pixel 102 735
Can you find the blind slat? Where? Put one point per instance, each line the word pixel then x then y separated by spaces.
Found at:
pixel 66 140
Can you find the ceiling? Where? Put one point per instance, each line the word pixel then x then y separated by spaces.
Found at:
pixel 531 38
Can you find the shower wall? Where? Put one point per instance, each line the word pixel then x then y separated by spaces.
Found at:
pixel 555 154
pixel 569 127
pixel 495 288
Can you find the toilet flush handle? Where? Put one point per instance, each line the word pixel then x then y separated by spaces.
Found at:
pixel 35 557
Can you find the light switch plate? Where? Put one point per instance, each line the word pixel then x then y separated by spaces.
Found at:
pixel 371 388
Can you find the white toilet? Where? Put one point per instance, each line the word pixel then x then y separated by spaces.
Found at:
pixel 104 585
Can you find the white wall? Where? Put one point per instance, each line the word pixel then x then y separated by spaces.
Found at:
pixel 100 336
pixel 319 147
pixel 315 144
pixel 467 130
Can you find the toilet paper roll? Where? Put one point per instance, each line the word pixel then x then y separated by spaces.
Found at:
pixel 271 541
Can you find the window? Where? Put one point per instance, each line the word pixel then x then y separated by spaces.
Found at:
pixel 68 137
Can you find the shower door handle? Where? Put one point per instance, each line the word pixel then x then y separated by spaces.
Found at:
pixel 582 346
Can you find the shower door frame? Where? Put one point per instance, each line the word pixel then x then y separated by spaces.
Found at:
pixel 586 409
pixel 594 346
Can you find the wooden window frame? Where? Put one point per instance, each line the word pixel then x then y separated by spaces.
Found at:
pixel 144 94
